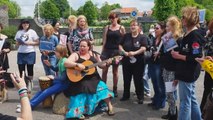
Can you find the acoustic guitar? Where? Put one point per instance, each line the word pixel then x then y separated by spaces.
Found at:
pixel 75 74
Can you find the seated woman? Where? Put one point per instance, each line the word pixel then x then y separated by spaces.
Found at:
pixel 86 94
pixel 60 83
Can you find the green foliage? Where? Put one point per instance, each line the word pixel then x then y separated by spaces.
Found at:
pixel 90 11
pixel 163 9
pixel 10 31
pixel 63 6
pixel 13 7
pixel 80 10
pixel 106 8
pixel 208 5
pixel 48 10
pixel 209 14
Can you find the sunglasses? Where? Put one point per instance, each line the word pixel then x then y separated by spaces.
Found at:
pixel 111 18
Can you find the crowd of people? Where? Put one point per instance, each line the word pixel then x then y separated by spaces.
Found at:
pixel 169 56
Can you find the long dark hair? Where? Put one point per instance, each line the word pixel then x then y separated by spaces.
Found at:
pixel 163 27
pixel 114 15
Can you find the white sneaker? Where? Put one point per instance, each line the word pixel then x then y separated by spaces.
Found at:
pixel 147 94
pixel 18 108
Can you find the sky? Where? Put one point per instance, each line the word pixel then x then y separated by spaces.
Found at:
pixel 27 6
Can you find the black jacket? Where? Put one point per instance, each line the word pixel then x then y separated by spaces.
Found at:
pixel 191 47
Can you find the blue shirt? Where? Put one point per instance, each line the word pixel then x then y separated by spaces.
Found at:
pixel 53 39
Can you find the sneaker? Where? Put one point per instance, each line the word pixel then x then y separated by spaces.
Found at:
pixel 147 94
pixel 18 109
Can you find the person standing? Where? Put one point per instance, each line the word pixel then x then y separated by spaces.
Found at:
pixel 174 32
pixel 208 81
pixel 112 35
pixel 51 41
pixel 133 45
pixel 4 62
pixel 26 38
pixel 187 69
pixel 155 69
pixel 56 26
pixel 81 32
pixel 72 26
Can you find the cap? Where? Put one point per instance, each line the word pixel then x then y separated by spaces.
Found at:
pixel 25 21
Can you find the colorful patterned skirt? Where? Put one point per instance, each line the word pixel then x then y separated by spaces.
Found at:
pixel 87 103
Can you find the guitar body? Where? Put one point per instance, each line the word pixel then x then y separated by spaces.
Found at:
pixel 75 75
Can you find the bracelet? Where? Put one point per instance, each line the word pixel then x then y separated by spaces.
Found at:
pixel 23 95
pixel 21 89
pixel 24 91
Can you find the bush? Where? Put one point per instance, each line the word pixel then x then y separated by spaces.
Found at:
pixel 10 31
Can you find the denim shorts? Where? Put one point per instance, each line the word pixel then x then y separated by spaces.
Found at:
pixel 26 58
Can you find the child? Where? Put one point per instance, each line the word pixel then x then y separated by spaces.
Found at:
pixel 59 82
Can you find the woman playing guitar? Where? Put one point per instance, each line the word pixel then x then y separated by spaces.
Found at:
pixel 87 93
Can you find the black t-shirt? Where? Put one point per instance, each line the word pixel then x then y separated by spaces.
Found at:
pixel 191 47
pixel 7 117
pixel 3 56
pixel 130 43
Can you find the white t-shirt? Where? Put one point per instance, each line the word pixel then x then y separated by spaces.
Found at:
pixel 30 35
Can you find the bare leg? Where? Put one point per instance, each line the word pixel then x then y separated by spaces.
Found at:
pixel 110 107
pixel 104 74
pixel 115 79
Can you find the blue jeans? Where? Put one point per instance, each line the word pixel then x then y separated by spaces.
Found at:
pixel 146 79
pixel 53 61
pixel 189 107
pixel 159 98
pixel 59 84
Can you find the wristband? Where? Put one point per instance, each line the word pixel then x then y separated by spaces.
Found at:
pixel 24 91
pixel 23 95
pixel 21 89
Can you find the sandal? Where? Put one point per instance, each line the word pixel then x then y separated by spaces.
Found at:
pixel 111 112
pixel 82 117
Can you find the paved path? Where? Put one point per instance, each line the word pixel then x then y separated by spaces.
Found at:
pixel 128 110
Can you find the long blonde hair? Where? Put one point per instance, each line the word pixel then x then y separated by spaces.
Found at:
pixel 176 25
pixel 82 17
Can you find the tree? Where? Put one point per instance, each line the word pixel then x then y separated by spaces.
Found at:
pixel 104 11
pixel 14 9
pixel 106 8
pixel 114 6
pixel 63 6
pixel 80 10
pixel 163 9
pixel 90 11
pixel 48 10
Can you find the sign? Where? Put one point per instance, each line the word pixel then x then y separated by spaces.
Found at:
pixel 134 13
pixel 202 14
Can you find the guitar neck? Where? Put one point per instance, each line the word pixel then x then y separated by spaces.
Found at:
pixel 96 64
